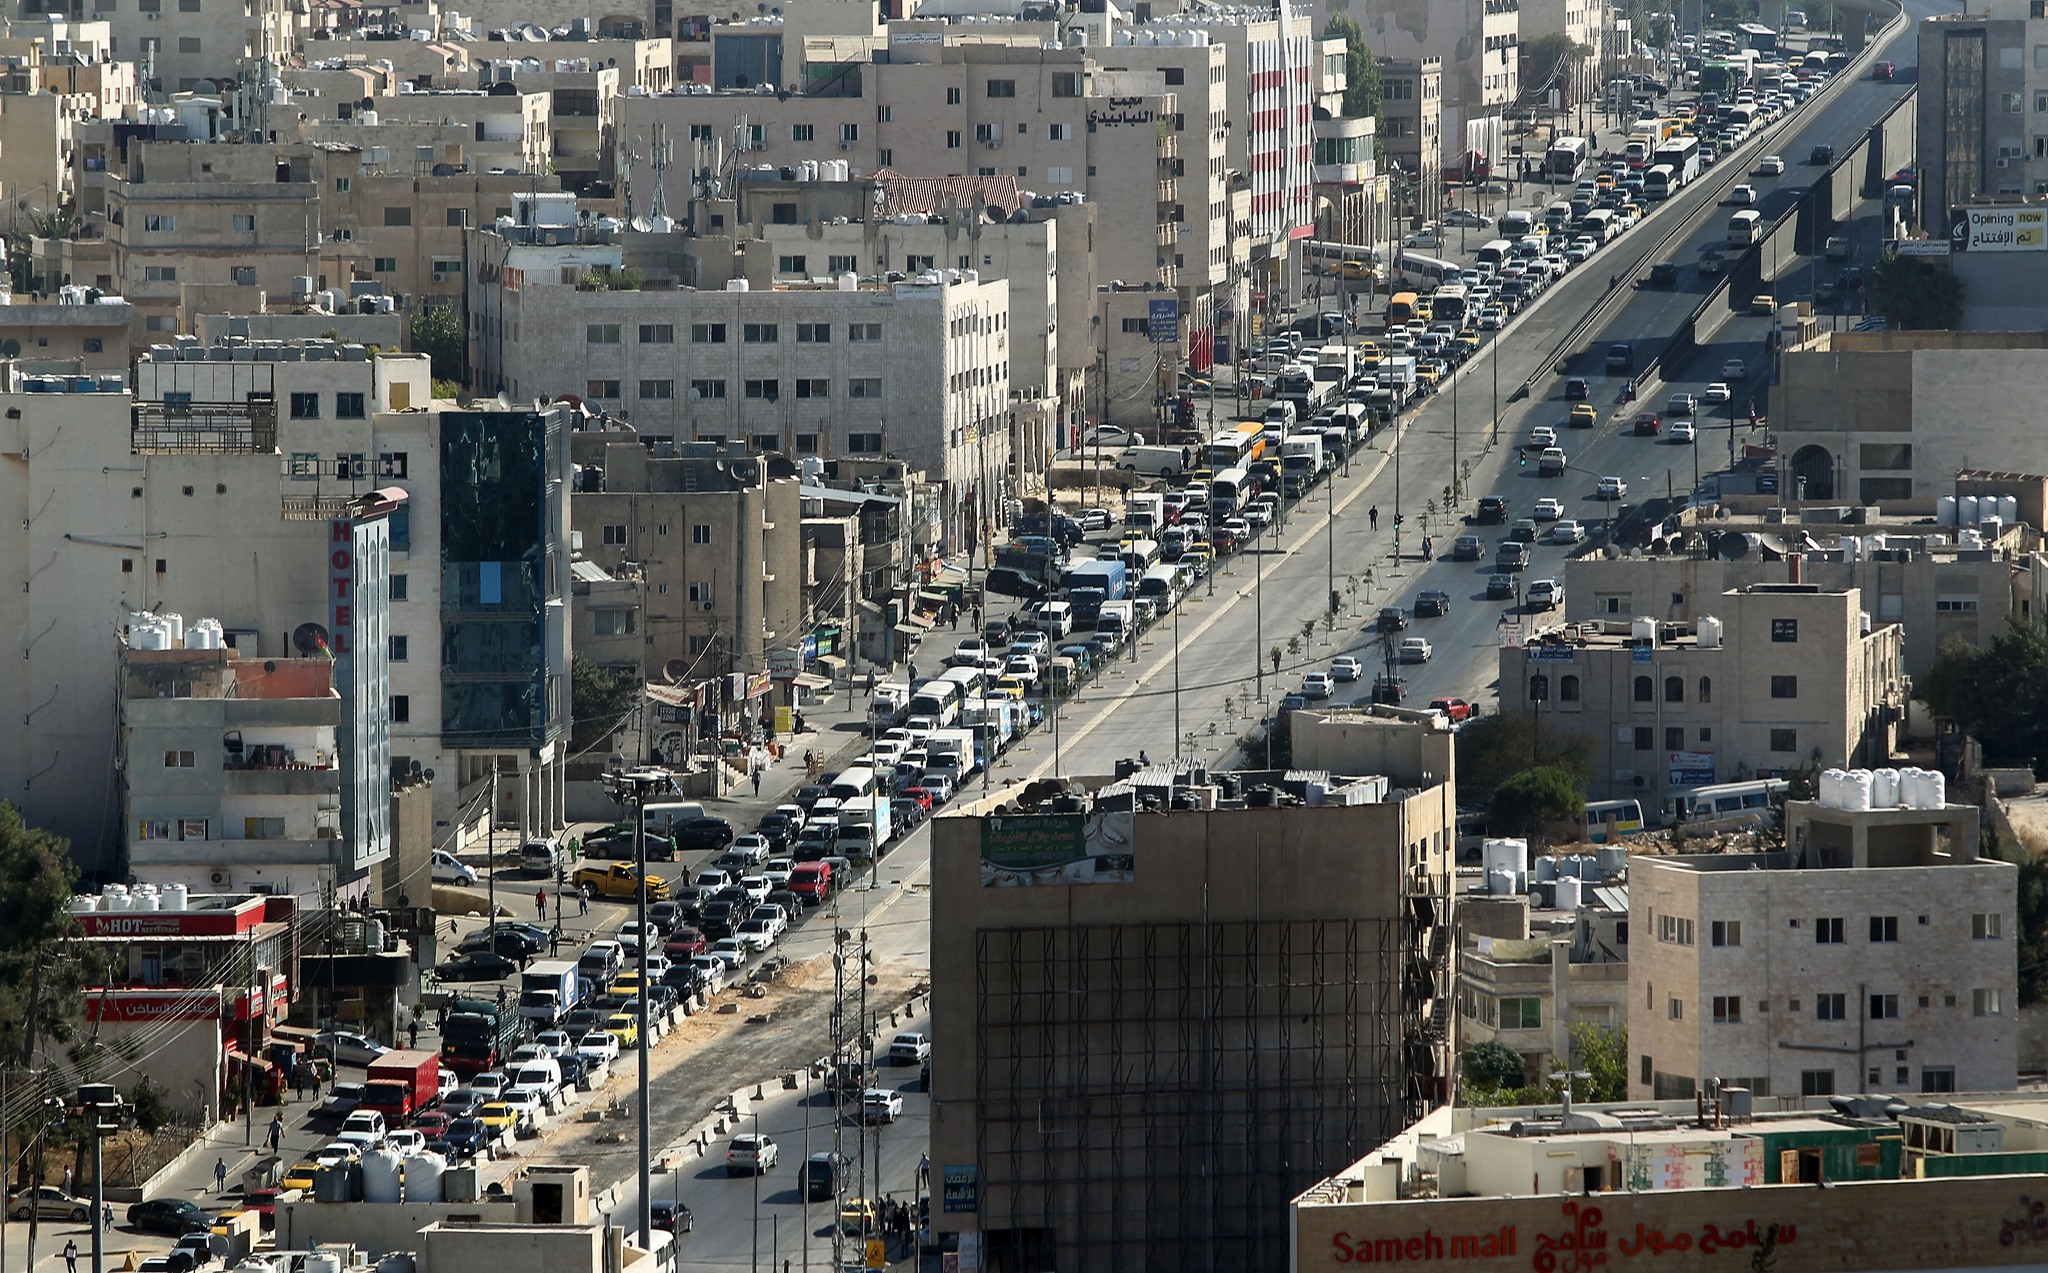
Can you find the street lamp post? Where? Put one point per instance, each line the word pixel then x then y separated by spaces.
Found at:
pixel 95 1101
pixel 633 788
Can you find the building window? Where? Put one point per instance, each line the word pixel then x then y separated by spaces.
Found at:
pixel 1059 132
pixel 657 389
pixel 399 649
pixel 700 533
pixel 1986 926
pixel 1827 930
pixel 600 388
pixel 1831 1007
pixel 818 388
pixel 1937 1078
pixel 401 707
pixel 1646 738
pixel 952 139
pixel 1674 689
pixel 1986 1003
pixel 399 587
pixel 601 334
pixel 159 273
pixel 835 264
pixel 243 275
pixel 1785 631
pixel 707 333
pixel 160 224
pixel 1784 740
pixel 1884 928
pixel 760 333
pixel 1675 929
pixel 1066 84
pixel 864 387
pixel 1816 1082
pixel 1568 689
pixel 1002 88
pixel 305 406
pixel 806 444
pixel 398 216
pixel 1645 690
pixel 814 333
pixel 702 389
pixel 1674 1008
pixel 1884 1007
pixel 612 623
pixel 1784 687
pixel 849 134
pixel 791 264
pixel 953 96
pixel 384 265
pixel 1727 1009
pixel 800 132
pixel 1521 1014
pixel 657 333
pixel 1725 932
pixel 614 536
pixel 764 390
pixel 864 333
pixel 179 760
pixel 1706 689
pixel 349 406
pixel 864 443
pixel 1674 738
pixel 1136 326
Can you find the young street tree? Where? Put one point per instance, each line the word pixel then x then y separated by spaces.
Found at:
pixel 1916 295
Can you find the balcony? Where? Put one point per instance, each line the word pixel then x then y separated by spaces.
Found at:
pixel 179 426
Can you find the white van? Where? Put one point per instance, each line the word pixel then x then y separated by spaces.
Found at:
pixel 544 1073
pixel 1157 461
pixel 663 819
pixel 1055 619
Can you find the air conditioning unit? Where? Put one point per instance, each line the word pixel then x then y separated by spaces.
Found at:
pixel 707 606
pixel 1641 782
pixel 2003 162
pixel 221 878
pixel 846 145
pixel 993 143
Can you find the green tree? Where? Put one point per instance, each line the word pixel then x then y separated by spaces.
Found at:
pixel 1493 749
pixel 2031 949
pixel 437 333
pixel 1914 294
pixel 1361 68
pixel 1534 799
pixel 1603 1055
pixel 601 698
pixel 36 879
pixel 1997 693
pixel 1548 62
pixel 1493 1064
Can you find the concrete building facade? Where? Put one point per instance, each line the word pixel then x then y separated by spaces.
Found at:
pixel 1476 44
pixel 1874 954
pixel 1784 677
pixel 1411 105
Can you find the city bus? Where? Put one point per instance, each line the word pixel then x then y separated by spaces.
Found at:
pixel 1400 308
pixel 1348 260
pixel 1608 820
pixel 1448 303
pixel 1425 271
pixel 1226 490
pixel 1745 228
pixel 1681 154
pixel 1659 183
pixel 1495 253
pixel 1565 159
pixel 1757 36
pixel 1724 805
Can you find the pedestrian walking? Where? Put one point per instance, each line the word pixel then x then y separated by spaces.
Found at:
pixel 67 1180
pixel 70 1256
pixel 1372 515
pixel 540 903
pixel 871 682
pixel 583 900
pixel 575 848
pixel 412 1034
pixel 107 1218
pixel 924 1170
pixel 757 780
pixel 555 940
pixel 220 1175
pixel 277 1132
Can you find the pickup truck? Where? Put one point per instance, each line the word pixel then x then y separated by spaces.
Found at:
pixel 616 879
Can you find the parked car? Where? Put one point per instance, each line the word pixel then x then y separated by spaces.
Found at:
pixel 175 1216
pixel 49 1203
pixel 349 1048
pixel 881 1105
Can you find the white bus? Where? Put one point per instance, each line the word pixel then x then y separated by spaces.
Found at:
pixel 972 682
pixel 1227 491
pixel 863 802
pixel 1725 804
pixel 937 700
pixel 1745 228
pixel 1681 154
pixel 1659 183
pixel 1321 256
pixel 1495 252
pixel 1449 303
pixel 1609 820
pixel 1425 271
pixel 1564 160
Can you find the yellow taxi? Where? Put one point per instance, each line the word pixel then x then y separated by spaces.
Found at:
pixel 857 1218
pixel 1368 351
pixel 1358 271
pixel 626 983
pixel 1469 338
pixel 299 1176
pixel 498 1118
pixel 1583 416
pixel 1426 375
pixel 1605 181
pixel 625 1026
pixel 1010 685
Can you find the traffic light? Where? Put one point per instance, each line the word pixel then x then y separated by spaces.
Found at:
pixel 1521 459
pixel 1397 521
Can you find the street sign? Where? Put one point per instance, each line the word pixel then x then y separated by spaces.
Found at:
pixel 878 1255
pixel 1163 321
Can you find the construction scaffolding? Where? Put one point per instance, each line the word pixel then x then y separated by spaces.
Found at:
pixel 1153 1095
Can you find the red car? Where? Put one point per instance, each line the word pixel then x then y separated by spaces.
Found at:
pixel 1455 708
pixel 264 1203
pixel 920 794
pixel 431 1123
pixel 685 942
pixel 1649 424
pixel 1883 71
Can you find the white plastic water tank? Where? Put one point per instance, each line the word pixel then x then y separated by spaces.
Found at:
pixel 1500 883
pixel 1641 629
pixel 423 1174
pixel 1969 538
pixel 1852 547
pixel 1863 619
pixel 1937 788
pixel 1884 788
pixel 83 905
pixel 1611 860
pixel 323 1262
pixel 1912 787
pixel 1505 855
pixel 149 636
pixel 380 1176
pixel 1709 631
pixel 302 285
pixel 2008 509
pixel 1830 794
pixel 1568 893
pixel 1546 869
pixel 1966 510
pixel 1945 510
pixel 1856 794
pixel 849 282
pixel 147 899
pixel 175 897
pixel 138 618
pixel 736 285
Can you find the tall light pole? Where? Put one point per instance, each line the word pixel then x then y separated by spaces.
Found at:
pixel 633 788
pixel 98 1101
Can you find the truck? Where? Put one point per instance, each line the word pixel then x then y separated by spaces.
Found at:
pixel 1335 364
pixel 479 1034
pixel 401 1084
pixel 1145 511
pixel 548 991
pixel 1090 584
pixel 953 753
pixel 996 722
pixel 1301 462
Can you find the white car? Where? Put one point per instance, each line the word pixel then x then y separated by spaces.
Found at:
pixel 1415 650
pixel 557 1042
pixel 1492 318
pixel 527 1103
pixel 1541 436
pixel 881 1105
pixel 753 845
pixel 730 951
pixel 406 1141
pixel 755 887
pixel 1579 251
pixel 1741 196
pixel 600 1047
pixel 490 1085
pixel 777 872
pixel 1716 394
pixel 1772 166
pixel 1109 435
pixel 712 972
pixel 1316 685
pixel 448 869
pixel 1610 488
pixel 1681 404
pixel 1682 433
pixel 1547 510
pixel 365 1127
pixel 1735 369
pixel 910 1048
pixel 1566 532
pixel 1544 594
pixel 1346 669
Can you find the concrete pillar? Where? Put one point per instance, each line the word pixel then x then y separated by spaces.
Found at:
pixel 525 783
pixel 561 769
pixel 1560 1004
pixel 1853 35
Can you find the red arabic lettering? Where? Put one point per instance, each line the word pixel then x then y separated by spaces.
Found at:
pixel 1584 1245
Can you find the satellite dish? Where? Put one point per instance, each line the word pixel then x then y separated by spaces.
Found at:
pixel 310 638
pixel 428 775
pixel 675 670
pixel 1731 545
pixel 642 224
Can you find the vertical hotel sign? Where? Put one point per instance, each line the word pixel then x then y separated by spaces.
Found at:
pixel 358 620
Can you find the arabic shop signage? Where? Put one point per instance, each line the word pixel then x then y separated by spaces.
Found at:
pixel 1582 1243
pixel 1122 110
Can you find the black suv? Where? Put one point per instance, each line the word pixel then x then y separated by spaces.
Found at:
pixel 1392 619
pixel 1821 155
pixel 1663 274
pixel 703 833
pixel 1492 508
pixel 1432 601
pixel 175 1216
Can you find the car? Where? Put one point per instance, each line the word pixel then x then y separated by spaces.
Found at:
pixel 490 1085
pixel 485 941
pixel 1648 424
pixel 348 1048
pixel 910 1048
pixel 1610 488
pixel 1492 508
pixel 1821 155
pixel 1543 594
pixel 1467 217
pixel 499 1120
pixel 448 869
pixel 1583 416
pixel 1763 304
pixel 1346 668
pixel 476 965
pixel 750 1154
pixel 1523 531
pixel 1547 509
pixel 1716 393
pixel 1456 709
pixel 49 1203
pixel 1735 369
pixel 1771 166
pixel 1467 548
pixel 1111 435
pixel 1432 602
pixel 1539 437
pixel 1882 70
pixel 1499 587
pixel 671 1217
pixel 1575 388
pixel 1511 556
pixel 1391 619
pixel 1740 196
pixel 175 1216
pixel 465 1138
pixel 1414 650
pixel 365 1127
pixel 618 879
pixel 730 951
pixel 1681 404
pixel 1683 433
pixel 757 935
pixel 881 1105
pixel 1316 685
pixel 1566 531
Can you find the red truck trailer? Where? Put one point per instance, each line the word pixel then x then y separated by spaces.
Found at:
pixel 401 1084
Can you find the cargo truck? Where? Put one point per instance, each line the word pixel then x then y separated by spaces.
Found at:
pixel 548 991
pixel 401 1084
pixel 1091 583
pixel 480 1034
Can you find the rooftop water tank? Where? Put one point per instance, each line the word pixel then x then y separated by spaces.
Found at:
pixel 1546 869
pixel 1505 855
pixel 1568 893
pixel 380 1175
pixel 1966 510
pixel 736 285
pixel 1642 629
pixel 1611 859
pixel 83 905
pixel 175 897
pixel 1856 791
pixel 1830 794
pixel 1945 510
pixel 423 1174
pixel 2008 509
pixel 1708 630
pixel 1884 788
pixel 1500 883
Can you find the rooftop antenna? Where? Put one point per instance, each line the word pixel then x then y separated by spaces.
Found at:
pixel 629 161
pixel 660 153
